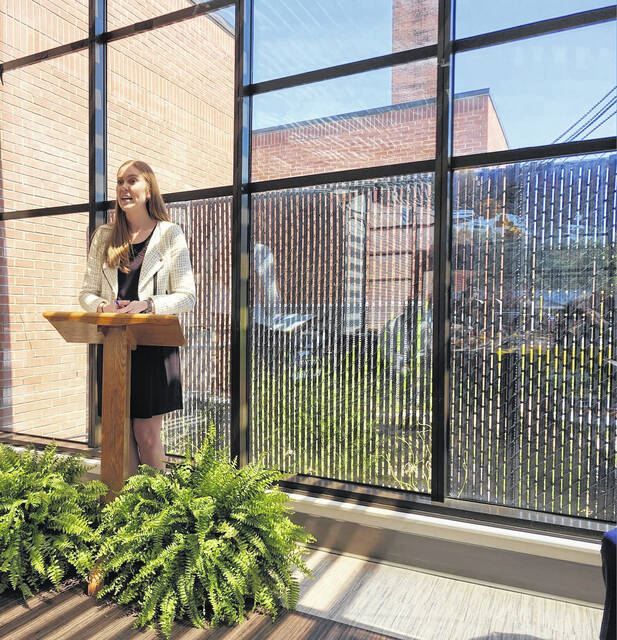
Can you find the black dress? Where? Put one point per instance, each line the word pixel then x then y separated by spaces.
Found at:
pixel 156 385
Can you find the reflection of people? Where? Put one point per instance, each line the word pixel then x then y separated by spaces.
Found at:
pixel 140 264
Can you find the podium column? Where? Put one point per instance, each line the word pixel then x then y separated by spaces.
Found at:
pixel 119 333
pixel 116 432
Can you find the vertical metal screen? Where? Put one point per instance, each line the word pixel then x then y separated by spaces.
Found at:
pixel 534 367
pixel 341 367
pixel 205 359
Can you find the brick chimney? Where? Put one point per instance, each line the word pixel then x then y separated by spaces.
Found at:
pixel 414 24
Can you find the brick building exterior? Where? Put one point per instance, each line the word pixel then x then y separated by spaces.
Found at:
pixel 401 131
pixel 396 269
pixel 170 102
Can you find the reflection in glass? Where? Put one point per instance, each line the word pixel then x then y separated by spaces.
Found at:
pixel 205 358
pixel 293 36
pixel 474 17
pixel 368 119
pixel 169 108
pixel 341 300
pixel 554 88
pixel 534 374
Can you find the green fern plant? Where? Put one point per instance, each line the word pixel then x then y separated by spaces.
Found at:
pixel 205 543
pixel 48 519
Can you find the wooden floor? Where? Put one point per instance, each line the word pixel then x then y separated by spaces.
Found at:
pixel 348 599
pixel 71 615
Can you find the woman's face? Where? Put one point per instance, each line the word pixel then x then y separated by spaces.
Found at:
pixel 132 190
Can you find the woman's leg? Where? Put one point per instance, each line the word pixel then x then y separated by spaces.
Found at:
pixel 148 436
pixel 133 454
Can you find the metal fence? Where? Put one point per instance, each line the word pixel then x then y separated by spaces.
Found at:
pixel 341 333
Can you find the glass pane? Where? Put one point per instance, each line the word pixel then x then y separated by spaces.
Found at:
pixel 341 308
pixel 473 17
pixel 205 359
pixel 293 36
pixel 537 91
pixel 42 377
pixel 534 334
pixel 44 134
pixel 28 27
pixel 368 119
pixel 121 13
pixel 170 103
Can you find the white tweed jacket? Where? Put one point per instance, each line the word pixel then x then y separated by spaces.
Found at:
pixel 167 258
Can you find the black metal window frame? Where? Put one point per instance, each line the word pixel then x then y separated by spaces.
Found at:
pixel 442 166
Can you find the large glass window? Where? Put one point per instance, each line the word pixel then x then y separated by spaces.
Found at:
pixel 480 16
pixel 295 36
pixel 341 364
pixel 44 134
pixel 340 275
pixel 553 88
pixel 205 359
pixel 170 103
pixel 534 377
pixel 368 119
pixel 42 377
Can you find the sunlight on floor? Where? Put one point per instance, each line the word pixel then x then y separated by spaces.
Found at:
pixel 413 605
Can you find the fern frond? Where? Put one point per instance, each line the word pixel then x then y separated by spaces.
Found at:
pixel 202 542
pixel 47 518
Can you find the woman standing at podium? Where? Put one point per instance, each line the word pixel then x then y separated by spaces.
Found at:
pixel 140 264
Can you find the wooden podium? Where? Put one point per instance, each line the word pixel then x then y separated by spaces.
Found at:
pixel 119 333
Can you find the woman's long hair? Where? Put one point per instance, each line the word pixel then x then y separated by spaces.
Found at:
pixel 118 249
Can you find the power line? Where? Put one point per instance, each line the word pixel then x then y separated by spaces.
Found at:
pixel 614 89
pixel 608 117
pixel 592 121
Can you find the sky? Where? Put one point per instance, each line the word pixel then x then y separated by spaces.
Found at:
pixel 539 86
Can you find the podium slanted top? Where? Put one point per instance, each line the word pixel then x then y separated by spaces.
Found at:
pixel 141 328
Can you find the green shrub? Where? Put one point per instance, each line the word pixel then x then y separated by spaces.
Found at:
pixel 205 542
pixel 47 519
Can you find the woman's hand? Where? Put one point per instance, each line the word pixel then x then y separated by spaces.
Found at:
pixel 134 306
pixel 113 307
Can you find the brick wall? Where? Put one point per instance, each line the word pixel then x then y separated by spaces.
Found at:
pixel 43 162
pixel 170 102
pixel 43 379
pixel 28 26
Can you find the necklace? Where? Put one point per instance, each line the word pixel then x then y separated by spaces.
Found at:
pixel 132 253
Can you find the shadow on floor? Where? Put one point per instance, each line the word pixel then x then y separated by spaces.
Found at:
pixel 71 615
